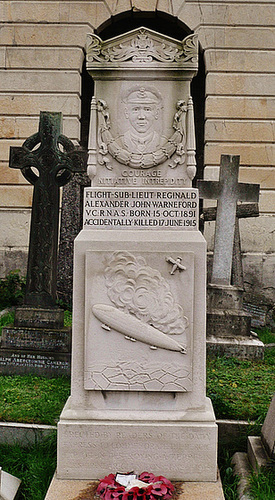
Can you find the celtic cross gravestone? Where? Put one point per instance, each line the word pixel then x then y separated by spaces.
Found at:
pixel 47 160
pixel 38 342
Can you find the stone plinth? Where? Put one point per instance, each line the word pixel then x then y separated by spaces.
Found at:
pixel 228 325
pixel 114 419
pixel 43 351
pixel 224 297
pixel 61 489
pixel 39 317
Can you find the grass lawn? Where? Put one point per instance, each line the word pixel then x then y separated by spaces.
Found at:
pixel 238 389
pixel 34 465
pixel 31 399
pixel 242 390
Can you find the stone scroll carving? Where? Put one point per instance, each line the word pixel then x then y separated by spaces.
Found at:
pixel 142 46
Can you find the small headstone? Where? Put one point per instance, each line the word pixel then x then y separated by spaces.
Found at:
pixel 257 313
pixel 9 486
pixel 38 341
pixel 268 430
pixel 261 449
pixel 260 453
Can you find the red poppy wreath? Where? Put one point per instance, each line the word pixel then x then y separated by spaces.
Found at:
pixel 146 486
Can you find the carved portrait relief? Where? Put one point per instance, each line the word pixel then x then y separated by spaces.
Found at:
pixel 142 123
pixel 141 145
pixel 142 108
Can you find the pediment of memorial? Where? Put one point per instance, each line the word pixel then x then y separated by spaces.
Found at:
pixel 141 48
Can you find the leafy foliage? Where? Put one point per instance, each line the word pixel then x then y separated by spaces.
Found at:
pixel 12 289
pixel 229 480
pixel 6 319
pixel 67 318
pixel 265 335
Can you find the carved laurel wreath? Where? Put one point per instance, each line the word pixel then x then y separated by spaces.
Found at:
pixel 175 144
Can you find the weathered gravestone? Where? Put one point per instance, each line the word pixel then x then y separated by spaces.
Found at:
pixel 138 382
pixel 70 226
pixel 9 486
pixel 244 210
pixel 260 453
pixel 228 325
pixel 38 342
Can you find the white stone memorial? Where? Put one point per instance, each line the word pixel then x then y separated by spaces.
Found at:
pixel 139 310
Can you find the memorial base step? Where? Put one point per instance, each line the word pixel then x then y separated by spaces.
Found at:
pixel 238 347
pixel 228 323
pixel 71 489
pixel 22 362
pixel 176 449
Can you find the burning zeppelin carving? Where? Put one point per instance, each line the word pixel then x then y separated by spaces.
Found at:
pixel 135 309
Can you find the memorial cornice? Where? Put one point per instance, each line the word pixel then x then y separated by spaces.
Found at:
pixel 141 49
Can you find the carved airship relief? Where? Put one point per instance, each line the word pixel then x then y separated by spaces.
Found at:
pixel 145 309
pixel 134 329
pixel 139 320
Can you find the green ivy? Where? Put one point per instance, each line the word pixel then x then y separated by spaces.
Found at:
pixel 12 289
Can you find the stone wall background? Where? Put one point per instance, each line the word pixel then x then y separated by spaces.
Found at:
pixel 41 57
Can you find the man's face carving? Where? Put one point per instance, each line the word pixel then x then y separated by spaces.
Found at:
pixel 142 110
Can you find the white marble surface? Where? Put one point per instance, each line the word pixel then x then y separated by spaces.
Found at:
pixel 96 421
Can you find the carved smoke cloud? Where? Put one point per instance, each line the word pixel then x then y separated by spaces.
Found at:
pixel 139 289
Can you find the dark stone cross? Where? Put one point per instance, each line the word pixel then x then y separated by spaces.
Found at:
pixel 47 160
pixel 228 192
